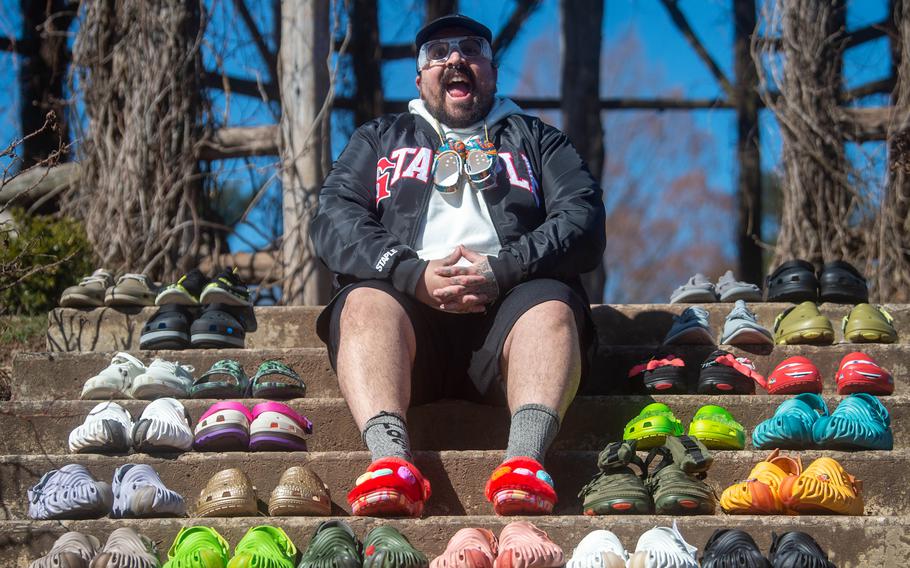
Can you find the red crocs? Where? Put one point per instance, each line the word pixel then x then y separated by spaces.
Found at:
pixel 860 373
pixel 391 487
pixel 794 375
pixel 521 486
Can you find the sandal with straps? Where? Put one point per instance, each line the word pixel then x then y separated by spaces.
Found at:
pixel 276 381
pixel 677 483
pixel 617 489
pixel 225 379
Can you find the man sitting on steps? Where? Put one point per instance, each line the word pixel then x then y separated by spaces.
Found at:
pixel 457 232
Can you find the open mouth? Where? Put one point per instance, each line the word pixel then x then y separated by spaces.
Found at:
pixel 459 85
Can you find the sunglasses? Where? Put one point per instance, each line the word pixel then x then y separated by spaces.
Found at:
pixel 438 51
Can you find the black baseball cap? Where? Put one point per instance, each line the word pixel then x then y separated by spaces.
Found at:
pixel 452 21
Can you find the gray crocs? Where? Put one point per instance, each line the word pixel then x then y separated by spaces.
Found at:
pixel 698 290
pixel 729 289
pixel 72 550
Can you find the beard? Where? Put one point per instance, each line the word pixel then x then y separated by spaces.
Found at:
pixel 463 113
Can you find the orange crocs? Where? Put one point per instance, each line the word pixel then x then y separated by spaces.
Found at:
pixel 522 545
pixel 521 486
pixel 391 487
pixel 761 493
pixel 823 488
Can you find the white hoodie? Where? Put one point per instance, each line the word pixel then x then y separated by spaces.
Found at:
pixel 460 217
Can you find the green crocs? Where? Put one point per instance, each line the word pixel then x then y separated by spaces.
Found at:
pixel 617 489
pixel 716 428
pixel 652 426
pixel 869 324
pixel 385 547
pixel 677 483
pixel 264 547
pixel 334 545
pixel 198 547
pixel 803 324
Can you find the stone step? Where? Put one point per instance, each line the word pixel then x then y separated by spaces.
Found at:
pixel 591 422
pixel 107 329
pixel 851 542
pixel 40 376
pixel 457 478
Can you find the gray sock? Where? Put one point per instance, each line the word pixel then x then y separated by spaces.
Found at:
pixel 534 426
pixel 386 434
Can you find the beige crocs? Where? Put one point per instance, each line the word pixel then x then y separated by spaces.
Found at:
pixel 229 493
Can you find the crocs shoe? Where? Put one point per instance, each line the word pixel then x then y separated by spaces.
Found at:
pixel 663 375
pixel 163 427
pixel 225 379
pixel 760 493
pixel 139 493
pixel 698 290
pixel 599 549
pixel 724 373
pixel 226 288
pixel 198 547
pixel 276 427
pixel 218 327
pixel 868 324
pixel 385 547
pixel 617 489
pixel 69 493
pixel 185 291
pixel 334 545
pixel 522 545
pixel 228 493
pixel 797 550
pixel 742 328
pixel 127 548
pixel 276 381
pixel 224 427
pixel 131 290
pixel 300 492
pixel 793 281
pixel 264 546
pixel 677 482
pixel 468 548
pixel 115 380
pixel 732 547
pixel 163 378
pixel 860 373
pixel 860 422
pixel 729 289
pixel 72 550
pixel 840 282
pixel 168 328
pixel 106 430
pixel 803 324
pixel 89 293
pixel 716 428
pixel 823 488
pixel 652 426
pixel 792 425
pixel 663 547
pixel 794 375
pixel 521 486
pixel 690 328
pixel 391 487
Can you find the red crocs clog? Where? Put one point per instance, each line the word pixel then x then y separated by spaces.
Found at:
pixel 521 486
pixel 860 373
pixel 794 375
pixel 391 487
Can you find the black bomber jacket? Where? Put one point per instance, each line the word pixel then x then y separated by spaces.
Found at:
pixel 547 208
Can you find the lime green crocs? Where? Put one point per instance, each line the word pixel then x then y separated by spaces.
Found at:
pixel 652 426
pixel 198 547
pixel 715 427
pixel 264 547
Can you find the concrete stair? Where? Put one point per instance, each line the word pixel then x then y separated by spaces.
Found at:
pixel 45 407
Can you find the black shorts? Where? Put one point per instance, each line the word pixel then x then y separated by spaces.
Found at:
pixel 451 346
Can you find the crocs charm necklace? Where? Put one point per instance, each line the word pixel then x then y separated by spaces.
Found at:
pixel 481 164
pixel 447 166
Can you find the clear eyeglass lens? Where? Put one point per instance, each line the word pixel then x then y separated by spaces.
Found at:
pixel 470 47
pixel 438 50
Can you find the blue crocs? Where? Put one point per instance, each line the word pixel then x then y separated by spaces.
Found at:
pixel 860 422
pixel 791 426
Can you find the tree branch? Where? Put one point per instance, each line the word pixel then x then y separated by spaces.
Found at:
pixel 267 56
pixel 248 87
pixel 523 10
pixel 683 25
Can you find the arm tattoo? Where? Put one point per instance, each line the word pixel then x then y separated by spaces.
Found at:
pixel 490 288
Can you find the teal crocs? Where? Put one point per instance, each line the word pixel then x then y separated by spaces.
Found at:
pixel 860 422
pixel 791 426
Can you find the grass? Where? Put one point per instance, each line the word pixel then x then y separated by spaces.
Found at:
pixel 18 333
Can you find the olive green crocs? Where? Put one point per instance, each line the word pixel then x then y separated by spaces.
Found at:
pixel 717 429
pixel 617 489
pixel 334 545
pixel 264 547
pixel 652 426
pixel 869 324
pixel 198 547
pixel 803 324
pixel 385 547
pixel 676 484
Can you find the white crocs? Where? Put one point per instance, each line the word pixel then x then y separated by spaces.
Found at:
pixel 663 547
pixel 163 378
pixel 163 427
pixel 599 549
pixel 115 380
pixel 106 430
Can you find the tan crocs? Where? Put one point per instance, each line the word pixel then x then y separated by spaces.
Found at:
pixel 229 493
pixel 468 548
pixel 72 550
pixel 300 492
pixel 522 545
pixel 126 548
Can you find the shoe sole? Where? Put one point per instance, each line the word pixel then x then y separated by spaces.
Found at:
pixel 691 336
pixel 683 505
pixel 695 297
pixel 725 380
pixel 155 340
pixel 651 440
pixel 219 296
pixel 748 336
pixel 385 503
pixel 227 507
pixel 222 438
pixel 173 298
pixel 743 294
pixel 853 387
pixel 117 441
pixel 618 506
pixel 216 341
pixel 276 442
pixel 144 445
pixel 665 380
pixel 127 300
pixel 508 502
pixel 711 439
pixel 795 293
pixel 80 301
pixel 869 336
pixel 811 336
pixel 150 389
pixel 297 507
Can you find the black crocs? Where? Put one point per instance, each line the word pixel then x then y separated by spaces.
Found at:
pixel 841 283
pixel 222 327
pixel 732 548
pixel 797 550
pixel 793 281
pixel 168 328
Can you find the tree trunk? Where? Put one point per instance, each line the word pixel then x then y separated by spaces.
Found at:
pixel 366 55
pixel 581 118
pixel 304 78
